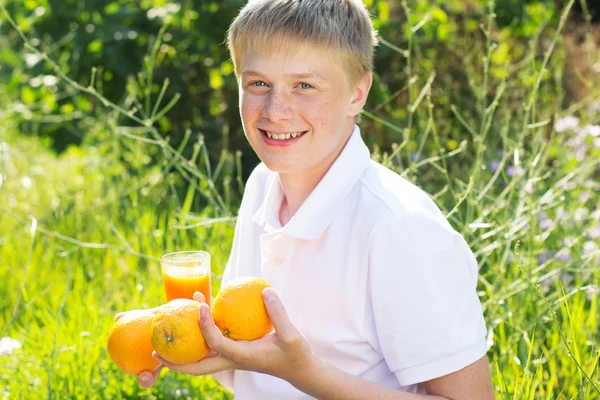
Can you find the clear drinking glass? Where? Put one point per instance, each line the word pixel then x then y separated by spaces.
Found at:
pixel 186 272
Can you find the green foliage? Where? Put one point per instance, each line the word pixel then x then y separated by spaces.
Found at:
pixel 109 43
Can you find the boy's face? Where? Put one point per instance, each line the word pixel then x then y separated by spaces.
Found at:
pixel 304 99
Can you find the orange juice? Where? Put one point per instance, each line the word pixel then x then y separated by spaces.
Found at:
pixel 183 287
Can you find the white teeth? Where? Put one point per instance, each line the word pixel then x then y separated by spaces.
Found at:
pixel 283 136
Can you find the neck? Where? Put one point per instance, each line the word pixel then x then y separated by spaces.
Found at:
pixel 297 187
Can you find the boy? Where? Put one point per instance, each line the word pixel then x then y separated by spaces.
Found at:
pixel 374 294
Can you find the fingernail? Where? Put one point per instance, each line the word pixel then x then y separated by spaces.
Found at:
pixel 269 296
pixel 203 313
pixel 144 378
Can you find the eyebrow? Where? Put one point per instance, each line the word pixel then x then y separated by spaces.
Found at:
pixel 296 76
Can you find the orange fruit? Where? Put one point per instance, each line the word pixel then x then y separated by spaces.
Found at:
pixel 129 343
pixel 239 311
pixel 176 334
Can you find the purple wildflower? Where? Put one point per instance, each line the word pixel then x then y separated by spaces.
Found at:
pixel 545 224
pixel 494 165
pixel 545 256
pixel 546 285
pixel 515 171
pixel 594 233
pixel 575 142
pixel 566 123
pixel 583 197
pixel 566 278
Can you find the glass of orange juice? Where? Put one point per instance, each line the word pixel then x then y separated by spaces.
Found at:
pixel 186 272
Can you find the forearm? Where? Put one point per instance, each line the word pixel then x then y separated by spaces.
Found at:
pixel 326 382
pixel 225 378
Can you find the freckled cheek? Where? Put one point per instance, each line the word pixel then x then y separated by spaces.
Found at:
pixel 250 107
pixel 315 110
pixel 320 113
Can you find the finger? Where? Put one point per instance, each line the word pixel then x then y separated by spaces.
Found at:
pixel 146 378
pixel 203 367
pixel 212 353
pixel 152 310
pixel 121 314
pixel 199 297
pixel 213 336
pixel 283 326
pixel 156 372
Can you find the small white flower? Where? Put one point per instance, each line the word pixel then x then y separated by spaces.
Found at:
pixel 26 182
pixel 490 338
pixel 591 292
pixel 591 130
pixel 31 59
pixel 8 346
pixel 49 80
pixel 566 123
pixel 589 247
pixel 173 7
pixel 35 82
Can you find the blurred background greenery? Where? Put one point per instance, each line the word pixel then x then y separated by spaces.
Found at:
pixel 120 140
pixel 116 38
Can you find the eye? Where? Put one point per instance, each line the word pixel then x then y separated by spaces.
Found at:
pixel 305 86
pixel 258 84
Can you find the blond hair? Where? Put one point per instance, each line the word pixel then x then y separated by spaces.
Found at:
pixel 343 27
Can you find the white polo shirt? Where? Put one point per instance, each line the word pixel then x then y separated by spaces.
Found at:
pixel 369 271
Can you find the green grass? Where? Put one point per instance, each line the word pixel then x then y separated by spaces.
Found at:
pixel 81 232
pixel 68 271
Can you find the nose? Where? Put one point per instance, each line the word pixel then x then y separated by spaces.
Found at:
pixel 277 106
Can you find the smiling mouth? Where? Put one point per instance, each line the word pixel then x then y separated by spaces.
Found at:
pixel 282 136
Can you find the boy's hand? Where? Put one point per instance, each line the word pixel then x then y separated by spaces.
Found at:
pixel 152 310
pixel 284 353
pixel 147 378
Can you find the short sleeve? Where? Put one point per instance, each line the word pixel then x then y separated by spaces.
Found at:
pixel 422 279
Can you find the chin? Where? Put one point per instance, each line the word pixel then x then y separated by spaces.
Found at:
pixel 279 167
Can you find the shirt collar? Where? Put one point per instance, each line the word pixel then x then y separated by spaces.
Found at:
pixel 318 210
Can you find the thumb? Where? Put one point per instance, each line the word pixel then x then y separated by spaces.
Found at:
pixel 281 322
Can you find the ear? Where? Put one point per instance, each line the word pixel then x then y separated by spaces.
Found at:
pixel 359 95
